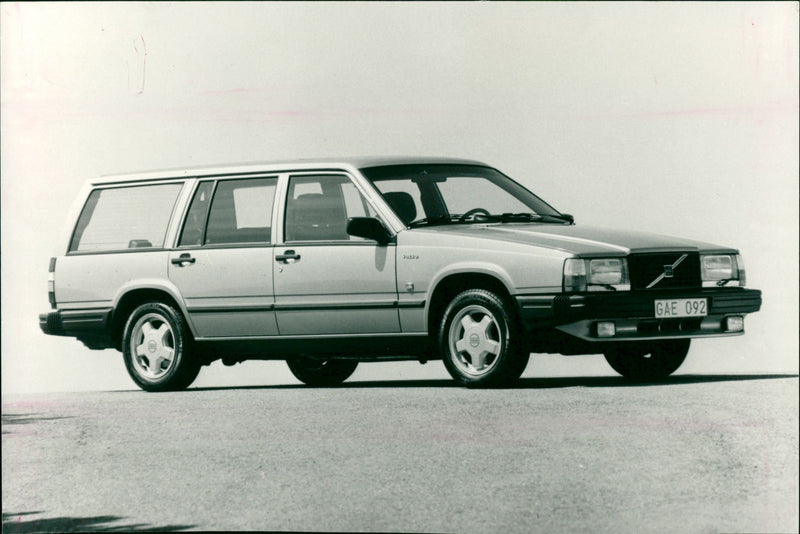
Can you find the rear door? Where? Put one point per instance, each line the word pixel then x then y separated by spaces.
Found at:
pixel 327 282
pixel 224 260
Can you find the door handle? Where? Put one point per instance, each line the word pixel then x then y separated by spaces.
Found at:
pixel 183 258
pixel 287 257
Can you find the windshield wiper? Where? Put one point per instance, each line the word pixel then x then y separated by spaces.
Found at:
pixel 524 217
pixel 484 217
pixel 561 217
pixel 431 221
pixel 520 217
pixel 606 286
pixel 507 217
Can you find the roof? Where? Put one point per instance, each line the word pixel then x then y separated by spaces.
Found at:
pixel 280 166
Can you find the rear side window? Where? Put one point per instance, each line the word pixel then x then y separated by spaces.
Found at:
pixel 195 225
pixel 125 218
pixel 241 212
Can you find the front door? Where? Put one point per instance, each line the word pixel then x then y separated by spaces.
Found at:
pixel 327 282
pixel 224 261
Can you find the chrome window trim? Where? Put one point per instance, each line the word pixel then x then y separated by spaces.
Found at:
pixel 117 251
pixel 280 209
pixel 389 218
pixel 332 243
pixel 178 219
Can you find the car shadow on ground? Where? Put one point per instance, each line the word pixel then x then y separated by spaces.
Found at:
pixel 528 383
pixel 21 522
pixel 25 419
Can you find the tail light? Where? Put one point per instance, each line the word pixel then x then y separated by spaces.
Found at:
pixel 51 283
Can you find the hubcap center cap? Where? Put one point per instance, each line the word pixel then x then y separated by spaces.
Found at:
pixel 152 346
pixel 474 340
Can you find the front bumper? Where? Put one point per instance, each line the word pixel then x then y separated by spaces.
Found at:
pixel 633 313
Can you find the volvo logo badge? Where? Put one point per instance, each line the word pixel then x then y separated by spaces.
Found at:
pixel 669 271
pixel 474 340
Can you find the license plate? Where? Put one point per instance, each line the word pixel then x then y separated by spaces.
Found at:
pixel 681 308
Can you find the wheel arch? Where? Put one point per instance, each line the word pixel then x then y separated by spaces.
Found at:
pixel 132 296
pixel 447 285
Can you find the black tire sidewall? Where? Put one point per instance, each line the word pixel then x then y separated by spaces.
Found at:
pixel 332 373
pixel 666 356
pixel 511 360
pixel 184 368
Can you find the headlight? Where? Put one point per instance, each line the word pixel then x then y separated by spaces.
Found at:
pixel 595 274
pixel 610 272
pixel 719 269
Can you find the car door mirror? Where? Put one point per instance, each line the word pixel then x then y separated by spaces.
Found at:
pixel 368 228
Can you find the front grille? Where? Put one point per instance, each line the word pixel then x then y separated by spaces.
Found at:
pixel 644 269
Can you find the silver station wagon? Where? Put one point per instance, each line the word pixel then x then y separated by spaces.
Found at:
pixel 326 264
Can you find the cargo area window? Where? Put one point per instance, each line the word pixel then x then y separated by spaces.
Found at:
pixel 125 218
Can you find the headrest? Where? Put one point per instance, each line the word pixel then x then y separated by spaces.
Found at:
pixel 314 216
pixel 403 205
pixel 309 199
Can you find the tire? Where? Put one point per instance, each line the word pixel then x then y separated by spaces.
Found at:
pixel 318 372
pixel 156 347
pixel 481 342
pixel 648 361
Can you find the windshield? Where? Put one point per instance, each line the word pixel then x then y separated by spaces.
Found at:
pixel 424 195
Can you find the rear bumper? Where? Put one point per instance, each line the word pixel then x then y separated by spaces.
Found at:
pixel 633 313
pixel 92 326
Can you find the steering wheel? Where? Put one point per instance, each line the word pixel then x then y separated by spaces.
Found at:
pixel 472 212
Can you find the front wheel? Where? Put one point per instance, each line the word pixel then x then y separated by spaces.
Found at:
pixel 318 372
pixel 481 343
pixel 648 361
pixel 155 346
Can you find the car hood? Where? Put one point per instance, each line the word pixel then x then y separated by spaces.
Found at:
pixel 578 239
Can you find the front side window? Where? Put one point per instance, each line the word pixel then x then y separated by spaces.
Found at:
pixel 125 218
pixel 318 207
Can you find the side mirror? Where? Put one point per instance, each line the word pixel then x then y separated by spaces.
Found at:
pixel 368 228
pixel 567 217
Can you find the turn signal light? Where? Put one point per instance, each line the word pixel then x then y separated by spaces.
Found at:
pixel 606 329
pixel 734 324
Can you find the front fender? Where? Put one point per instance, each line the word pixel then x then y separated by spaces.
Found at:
pixel 471 267
pixel 467 267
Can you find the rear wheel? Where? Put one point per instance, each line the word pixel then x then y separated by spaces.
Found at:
pixel 481 343
pixel 648 361
pixel 319 372
pixel 156 348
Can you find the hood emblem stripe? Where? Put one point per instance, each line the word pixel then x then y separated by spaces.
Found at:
pixel 669 271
